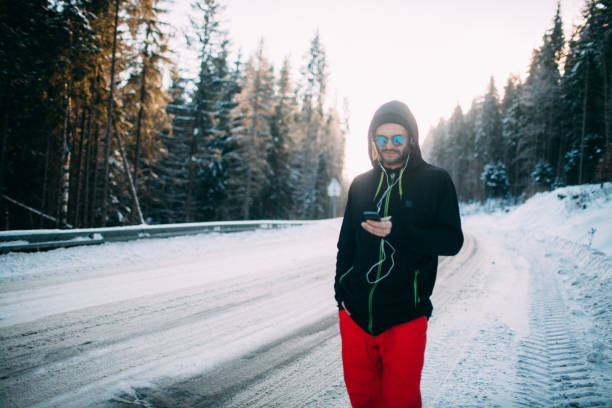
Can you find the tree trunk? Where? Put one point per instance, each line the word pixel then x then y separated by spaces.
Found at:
pixel 560 161
pixel 45 179
pixel 64 184
pixel 80 160
pixel 89 161
pixel 141 110
pixel 138 145
pixel 313 133
pixel 607 74
pixel 191 171
pixel 584 117
pixel 87 176
pixel 31 210
pixel 3 147
pixel 109 120
pixel 136 204
pixel 95 173
pixel 246 203
pixel 607 154
pixel 606 165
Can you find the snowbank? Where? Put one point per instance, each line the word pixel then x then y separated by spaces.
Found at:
pixel 580 214
pixel 81 261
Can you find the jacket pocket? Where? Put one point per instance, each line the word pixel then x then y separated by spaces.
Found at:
pixel 344 275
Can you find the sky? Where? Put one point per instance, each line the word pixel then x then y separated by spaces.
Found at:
pixel 430 55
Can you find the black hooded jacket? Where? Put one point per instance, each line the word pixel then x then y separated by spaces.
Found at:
pixel 386 282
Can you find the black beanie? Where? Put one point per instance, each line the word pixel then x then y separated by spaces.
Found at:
pixel 393 112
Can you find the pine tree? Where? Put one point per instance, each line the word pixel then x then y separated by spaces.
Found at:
pixel 438 137
pixel 512 120
pixel 585 86
pixel 205 179
pixel 30 54
pixel 276 199
pixel 144 96
pixel 109 119
pixel 596 31
pixel 167 205
pixel 488 127
pixel 458 150
pixel 313 94
pixel 248 171
pixel 108 199
pixel 550 129
pixel 65 46
pixel 331 161
pixel 495 180
pixel 542 100
pixel 212 176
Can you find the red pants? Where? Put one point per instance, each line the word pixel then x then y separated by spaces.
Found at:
pixel 384 371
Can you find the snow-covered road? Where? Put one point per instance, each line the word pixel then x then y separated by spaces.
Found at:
pixel 68 340
pixel 521 319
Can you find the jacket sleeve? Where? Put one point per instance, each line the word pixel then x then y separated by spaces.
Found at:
pixel 445 236
pixel 346 249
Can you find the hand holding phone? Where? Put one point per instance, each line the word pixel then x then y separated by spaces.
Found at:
pixel 380 228
pixel 370 215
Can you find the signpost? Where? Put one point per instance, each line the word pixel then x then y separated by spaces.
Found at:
pixel 333 191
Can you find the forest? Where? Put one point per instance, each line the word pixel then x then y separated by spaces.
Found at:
pixel 549 130
pixel 99 127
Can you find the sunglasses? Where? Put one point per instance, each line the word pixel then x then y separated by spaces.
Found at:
pixel 397 140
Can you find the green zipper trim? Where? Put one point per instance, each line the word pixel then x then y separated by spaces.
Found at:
pixel 380 257
pixel 379 185
pixel 400 183
pixel 416 288
pixel 344 274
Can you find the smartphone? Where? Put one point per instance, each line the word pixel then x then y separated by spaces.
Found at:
pixel 370 215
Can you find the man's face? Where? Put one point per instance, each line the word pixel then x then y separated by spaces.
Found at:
pixel 394 151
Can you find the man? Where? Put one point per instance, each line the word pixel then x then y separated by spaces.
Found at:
pixel 386 267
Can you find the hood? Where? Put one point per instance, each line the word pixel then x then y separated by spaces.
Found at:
pixel 394 112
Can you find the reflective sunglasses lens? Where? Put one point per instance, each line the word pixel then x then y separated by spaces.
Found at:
pixel 381 141
pixel 398 140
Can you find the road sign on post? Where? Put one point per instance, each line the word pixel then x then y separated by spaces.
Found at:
pixel 333 191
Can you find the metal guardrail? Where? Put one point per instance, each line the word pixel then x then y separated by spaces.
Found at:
pixel 35 240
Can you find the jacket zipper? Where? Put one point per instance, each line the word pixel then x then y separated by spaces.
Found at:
pixel 371 297
pixel 417 299
pixel 380 257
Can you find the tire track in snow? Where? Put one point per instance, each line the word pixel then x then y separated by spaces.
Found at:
pixel 279 374
pixel 552 366
pixel 500 363
pixel 468 338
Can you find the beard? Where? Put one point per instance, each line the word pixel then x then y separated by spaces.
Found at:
pixel 394 159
